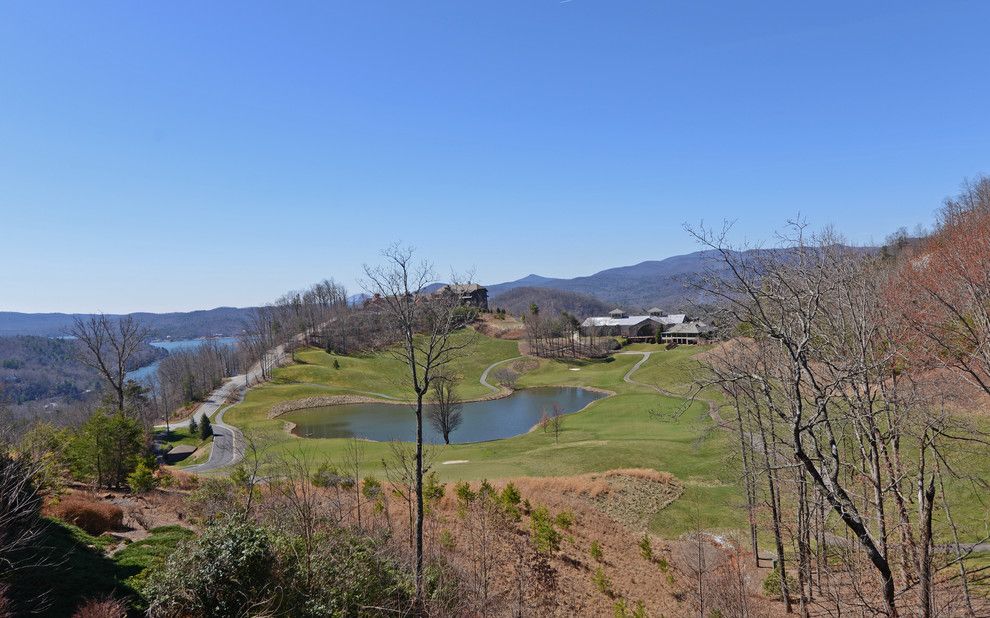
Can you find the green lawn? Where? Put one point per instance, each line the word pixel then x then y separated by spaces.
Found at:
pixel 636 427
pixel 83 570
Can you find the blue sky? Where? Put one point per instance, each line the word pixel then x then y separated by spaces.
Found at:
pixel 181 155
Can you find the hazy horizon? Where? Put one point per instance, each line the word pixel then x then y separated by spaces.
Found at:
pixel 182 156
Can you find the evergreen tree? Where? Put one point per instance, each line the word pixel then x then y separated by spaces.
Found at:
pixel 193 426
pixel 205 428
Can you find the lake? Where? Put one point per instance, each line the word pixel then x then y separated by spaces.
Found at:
pixel 150 371
pixel 483 420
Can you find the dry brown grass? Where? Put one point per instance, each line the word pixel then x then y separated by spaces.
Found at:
pixel 179 479
pixel 103 608
pixel 93 516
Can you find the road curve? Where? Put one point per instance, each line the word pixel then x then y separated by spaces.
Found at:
pixel 228 442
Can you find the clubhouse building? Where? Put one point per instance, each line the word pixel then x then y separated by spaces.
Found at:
pixel 674 328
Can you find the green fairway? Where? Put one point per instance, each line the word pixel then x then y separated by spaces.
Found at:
pixel 636 427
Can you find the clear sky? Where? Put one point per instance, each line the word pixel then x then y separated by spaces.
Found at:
pixel 179 155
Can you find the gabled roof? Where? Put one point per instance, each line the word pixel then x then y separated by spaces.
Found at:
pixel 689 328
pixel 632 320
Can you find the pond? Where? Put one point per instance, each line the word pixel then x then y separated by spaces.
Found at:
pixel 483 420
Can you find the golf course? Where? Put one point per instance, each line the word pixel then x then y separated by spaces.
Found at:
pixel 635 426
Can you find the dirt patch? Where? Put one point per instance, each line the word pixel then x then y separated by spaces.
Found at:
pixel 510 328
pixel 630 496
pixel 524 365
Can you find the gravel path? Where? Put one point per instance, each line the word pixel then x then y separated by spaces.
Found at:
pixel 484 374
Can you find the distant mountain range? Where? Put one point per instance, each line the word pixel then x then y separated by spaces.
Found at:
pixel 180 325
pixel 667 284
pixel 663 283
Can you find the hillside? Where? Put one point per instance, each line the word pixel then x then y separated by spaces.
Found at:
pixel 179 325
pixel 517 301
pixel 40 368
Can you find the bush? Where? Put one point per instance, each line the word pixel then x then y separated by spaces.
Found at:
pixel 93 516
pixel 328 476
pixel 371 488
pixel 564 520
pixel 772 587
pixel 223 573
pixel 663 564
pixel 105 608
pixel 193 425
pixel 447 540
pixel 465 496
pixel 510 499
pixel 142 479
pixel 596 551
pixel 646 547
pixel 602 582
pixel 545 537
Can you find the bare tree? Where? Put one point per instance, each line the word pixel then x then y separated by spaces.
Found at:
pixel 445 409
pixel 822 374
pixel 353 457
pixel 425 325
pixel 108 344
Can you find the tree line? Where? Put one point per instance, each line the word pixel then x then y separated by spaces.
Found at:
pixel 840 385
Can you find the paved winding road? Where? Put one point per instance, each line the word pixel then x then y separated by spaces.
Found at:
pixel 228 441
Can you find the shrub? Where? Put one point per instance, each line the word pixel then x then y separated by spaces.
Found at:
pixel 371 488
pixel 670 578
pixel 620 609
pixel 639 611
pixel 336 364
pixel 93 516
pixel 772 587
pixel 545 537
pixel 646 547
pixel 510 499
pixel 564 520
pixel 465 496
pixel 193 425
pixel 223 573
pixel 142 479
pixel 104 608
pixel 664 565
pixel 596 551
pixel 329 476
pixel 602 582
pixel 447 540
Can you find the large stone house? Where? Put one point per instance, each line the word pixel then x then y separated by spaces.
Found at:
pixel 469 294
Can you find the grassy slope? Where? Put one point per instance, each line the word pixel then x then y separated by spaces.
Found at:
pixel 86 572
pixel 635 428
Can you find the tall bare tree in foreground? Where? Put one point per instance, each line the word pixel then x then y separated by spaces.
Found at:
pixel 425 325
pixel 108 344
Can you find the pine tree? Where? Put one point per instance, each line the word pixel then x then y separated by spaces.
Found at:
pixel 193 426
pixel 205 428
